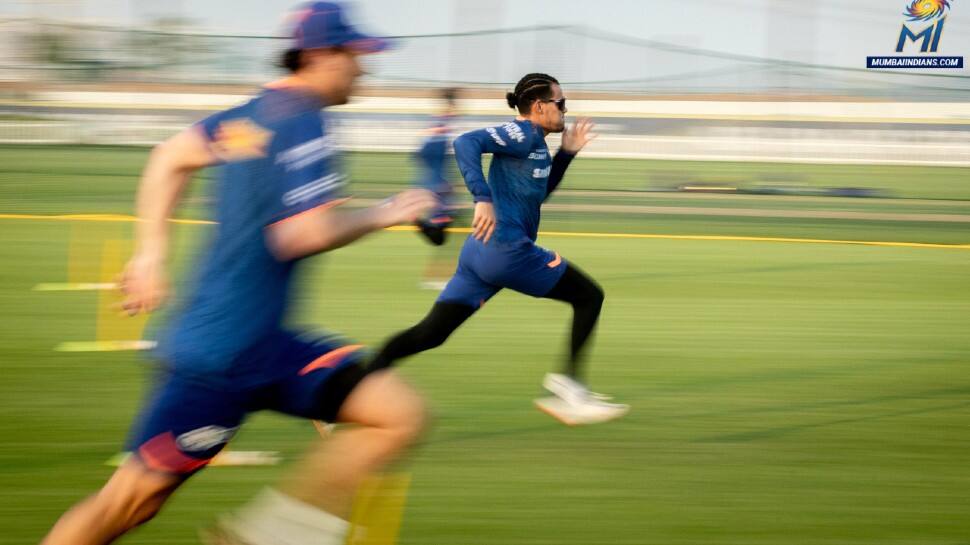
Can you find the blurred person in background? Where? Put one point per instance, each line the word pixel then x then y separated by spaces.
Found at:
pixel 434 174
pixel 501 250
pixel 226 353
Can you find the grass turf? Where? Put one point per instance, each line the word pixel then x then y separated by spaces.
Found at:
pixel 781 392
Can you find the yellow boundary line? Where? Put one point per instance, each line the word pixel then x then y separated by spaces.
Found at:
pixel 131 219
pixel 93 217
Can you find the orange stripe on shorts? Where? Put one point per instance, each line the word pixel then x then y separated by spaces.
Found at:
pixel 330 359
pixel 555 262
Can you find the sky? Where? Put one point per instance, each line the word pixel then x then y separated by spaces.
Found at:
pixel 826 32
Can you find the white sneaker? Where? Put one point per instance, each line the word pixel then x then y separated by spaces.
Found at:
pixel 565 386
pixel 574 405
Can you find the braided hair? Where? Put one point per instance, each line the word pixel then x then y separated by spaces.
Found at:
pixel 530 88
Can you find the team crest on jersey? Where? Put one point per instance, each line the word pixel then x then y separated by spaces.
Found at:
pixel 240 139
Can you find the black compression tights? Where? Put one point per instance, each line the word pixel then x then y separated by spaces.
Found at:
pixel 429 333
pixel 586 298
pixel 575 288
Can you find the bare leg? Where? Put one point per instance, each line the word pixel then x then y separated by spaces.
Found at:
pixel 132 496
pixel 313 503
pixel 390 417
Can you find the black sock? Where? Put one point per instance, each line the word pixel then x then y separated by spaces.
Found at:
pixel 586 298
pixel 429 333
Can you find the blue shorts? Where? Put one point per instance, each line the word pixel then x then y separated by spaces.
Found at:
pixel 484 269
pixel 186 422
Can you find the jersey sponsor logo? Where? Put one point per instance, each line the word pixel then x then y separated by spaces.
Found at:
pixel 514 132
pixel 317 187
pixel 307 153
pixel 205 438
pixel 539 154
pixel 495 136
pixel 541 172
pixel 240 139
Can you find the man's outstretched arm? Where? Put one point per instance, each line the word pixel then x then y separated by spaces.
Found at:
pixel 327 227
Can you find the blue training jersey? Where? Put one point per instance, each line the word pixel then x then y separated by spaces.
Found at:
pixel 520 177
pixel 278 161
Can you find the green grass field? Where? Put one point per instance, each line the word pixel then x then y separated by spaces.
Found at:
pixel 782 393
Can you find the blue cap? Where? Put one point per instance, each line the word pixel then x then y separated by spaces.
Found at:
pixel 322 24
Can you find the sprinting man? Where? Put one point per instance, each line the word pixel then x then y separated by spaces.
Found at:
pixel 226 353
pixel 501 251
pixel 434 173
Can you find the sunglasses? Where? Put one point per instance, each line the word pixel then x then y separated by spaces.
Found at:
pixel 561 103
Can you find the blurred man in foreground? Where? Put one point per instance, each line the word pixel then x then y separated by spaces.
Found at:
pixel 225 352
